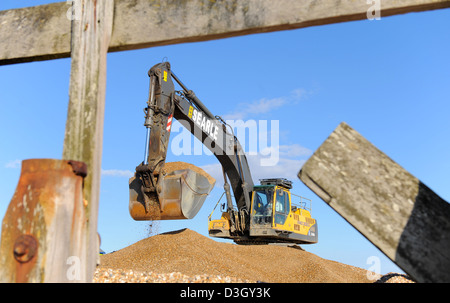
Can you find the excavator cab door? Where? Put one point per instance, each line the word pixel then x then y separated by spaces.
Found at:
pixel 282 206
pixel 262 206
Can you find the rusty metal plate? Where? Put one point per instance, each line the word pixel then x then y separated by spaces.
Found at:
pixel 45 215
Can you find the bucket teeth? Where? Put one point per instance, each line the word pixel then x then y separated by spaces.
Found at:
pixel 179 195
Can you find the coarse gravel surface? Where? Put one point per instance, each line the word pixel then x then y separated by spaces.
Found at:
pixel 188 257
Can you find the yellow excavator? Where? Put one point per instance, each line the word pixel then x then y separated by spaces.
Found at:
pixel 274 217
pixel 260 214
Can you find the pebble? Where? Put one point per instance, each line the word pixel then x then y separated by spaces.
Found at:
pixel 110 275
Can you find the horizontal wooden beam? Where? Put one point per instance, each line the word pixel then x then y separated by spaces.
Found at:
pixel 43 32
pixel 34 33
pixel 393 209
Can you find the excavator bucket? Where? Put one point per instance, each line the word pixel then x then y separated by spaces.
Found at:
pixel 180 195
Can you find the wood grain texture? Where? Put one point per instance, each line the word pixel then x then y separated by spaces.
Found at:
pixel 84 126
pixel 43 32
pixel 393 209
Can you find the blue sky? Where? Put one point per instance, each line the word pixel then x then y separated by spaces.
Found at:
pixel 388 79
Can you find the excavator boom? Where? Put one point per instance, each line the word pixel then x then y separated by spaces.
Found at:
pixel 157 193
pixel 156 196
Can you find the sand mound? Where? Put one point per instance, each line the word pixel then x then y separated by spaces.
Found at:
pixel 190 253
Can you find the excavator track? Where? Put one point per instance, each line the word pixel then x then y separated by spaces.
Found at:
pixel 267 242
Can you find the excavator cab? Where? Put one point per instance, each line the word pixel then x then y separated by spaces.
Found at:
pixel 262 205
pixel 274 217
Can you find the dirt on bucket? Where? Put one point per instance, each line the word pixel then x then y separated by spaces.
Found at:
pixel 172 166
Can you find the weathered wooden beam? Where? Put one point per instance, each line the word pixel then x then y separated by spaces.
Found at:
pixel 84 126
pixel 43 32
pixel 394 210
pixel 34 33
pixel 146 23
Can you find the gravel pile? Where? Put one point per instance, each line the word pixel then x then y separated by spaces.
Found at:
pixel 186 256
pixel 395 278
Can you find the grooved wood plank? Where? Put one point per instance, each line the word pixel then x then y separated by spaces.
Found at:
pixel 43 32
pixel 393 209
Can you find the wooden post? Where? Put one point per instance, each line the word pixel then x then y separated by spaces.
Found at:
pixel 400 215
pixel 84 126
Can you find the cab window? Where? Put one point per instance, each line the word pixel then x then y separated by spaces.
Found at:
pixel 281 206
pixel 262 206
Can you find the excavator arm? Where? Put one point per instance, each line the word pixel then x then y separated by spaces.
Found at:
pixel 149 186
pixel 157 193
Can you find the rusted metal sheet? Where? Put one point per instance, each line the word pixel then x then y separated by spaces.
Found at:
pixel 25 250
pixel 45 217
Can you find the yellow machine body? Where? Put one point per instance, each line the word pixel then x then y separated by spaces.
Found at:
pixel 275 218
